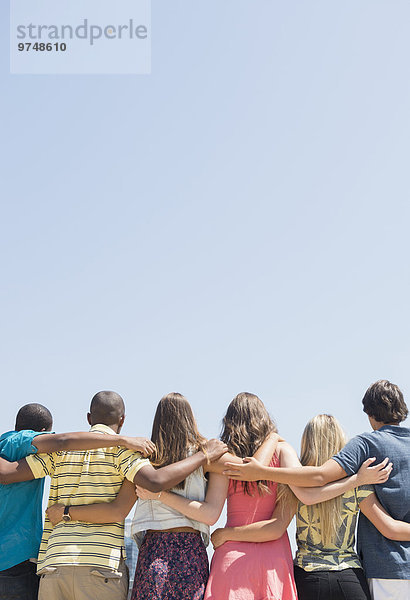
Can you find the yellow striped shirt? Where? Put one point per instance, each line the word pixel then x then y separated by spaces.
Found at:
pixel 84 477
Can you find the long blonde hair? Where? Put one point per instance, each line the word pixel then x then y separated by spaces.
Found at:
pixel 322 438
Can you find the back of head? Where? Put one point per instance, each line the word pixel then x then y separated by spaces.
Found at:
pixel 35 417
pixel 174 431
pixel 107 408
pixel 385 403
pixel 322 438
pixel 246 425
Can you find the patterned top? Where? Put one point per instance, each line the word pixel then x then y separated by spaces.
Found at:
pixel 84 477
pixel 311 554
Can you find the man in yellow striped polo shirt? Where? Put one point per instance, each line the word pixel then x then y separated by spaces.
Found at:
pixel 84 561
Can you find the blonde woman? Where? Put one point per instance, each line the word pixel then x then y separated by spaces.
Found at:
pixel 326 564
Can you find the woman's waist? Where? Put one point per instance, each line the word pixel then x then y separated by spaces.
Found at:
pixel 163 520
pixel 173 530
pixel 327 561
pixel 309 555
pixel 140 528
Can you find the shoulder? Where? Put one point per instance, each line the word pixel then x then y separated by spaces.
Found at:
pixel 391 431
pixel 15 445
pixel 125 458
pixel 367 441
pixel 361 440
pixel 128 462
pixel 366 435
pixel 285 448
pixel 354 453
pixel 41 464
pixel 17 436
pixel 121 453
pixel 286 454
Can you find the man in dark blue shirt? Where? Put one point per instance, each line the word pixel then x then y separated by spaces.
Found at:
pixel 386 562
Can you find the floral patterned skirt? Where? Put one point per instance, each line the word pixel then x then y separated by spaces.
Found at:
pixel 171 566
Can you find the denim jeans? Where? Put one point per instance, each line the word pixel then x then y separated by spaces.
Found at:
pixel 19 582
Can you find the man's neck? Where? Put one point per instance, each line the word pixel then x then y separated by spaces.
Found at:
pixel 378 425
pixel 115 428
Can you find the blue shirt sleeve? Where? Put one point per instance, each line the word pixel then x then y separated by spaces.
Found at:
pixel 352 456
pixel 19 444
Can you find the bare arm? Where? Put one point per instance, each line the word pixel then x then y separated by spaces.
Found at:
pixel 207 511
pixel 157 480
pixel 261 531
pixel 210 509
pixel 14 472
pixel 263 454
pixel 275 527
pixel 389 527
pixel 55 442
pixel 313 495
pixel 105 512
pixel 270 529
pixel 252 470
pixel 118 509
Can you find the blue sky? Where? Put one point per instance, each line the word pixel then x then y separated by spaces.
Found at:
pixel 237 220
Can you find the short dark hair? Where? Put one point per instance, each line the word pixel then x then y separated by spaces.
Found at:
pixel 384 402
pixel 107 408
pixel 35 417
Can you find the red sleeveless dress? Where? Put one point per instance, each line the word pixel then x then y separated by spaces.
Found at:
pixel 251 570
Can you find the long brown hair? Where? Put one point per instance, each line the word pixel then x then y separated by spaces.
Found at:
pixel 174 432
pixel 246 425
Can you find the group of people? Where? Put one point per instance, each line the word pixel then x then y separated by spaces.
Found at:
pixel 179 482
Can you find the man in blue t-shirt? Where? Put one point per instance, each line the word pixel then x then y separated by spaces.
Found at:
pixel 21 524
pixel 386 562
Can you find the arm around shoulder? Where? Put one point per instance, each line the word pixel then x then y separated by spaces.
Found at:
pixel 164 478
pixel 263 454
pixel 252 470
pixel 89 440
